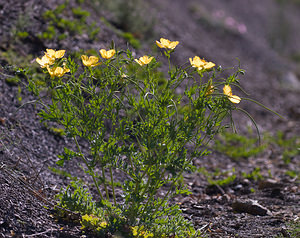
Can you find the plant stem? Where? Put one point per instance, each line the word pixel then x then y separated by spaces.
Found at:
pixel 153 191
pixel 104 182
pixel 86 163
pixel 112 185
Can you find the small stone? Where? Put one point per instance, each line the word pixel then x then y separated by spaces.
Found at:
pixel 269 184
pixel 250 206
pixel 290 81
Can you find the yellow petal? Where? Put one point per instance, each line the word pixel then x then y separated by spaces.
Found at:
pixel 107 54
pixel 51 71
pixel 227 90
pixel 197 62
pixel 59 72
pixel 59 54
pixel 173 44
pixel 93 60
pixel 66 70
pixel 160 45
pixel 45 61
pixel 234 99
pixel 39 61
pixel 50 52
pixel 85 59
pixel 209 90
pixel 139 62
pixel 144 60
pixel 111 53
pixel 103 53
pixel 209 65
pixel 165 43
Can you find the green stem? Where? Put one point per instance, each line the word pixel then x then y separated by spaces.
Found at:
pixel 86 163
pixel 153 192
pixel 112 185
pixel 137 184
pixel 104 182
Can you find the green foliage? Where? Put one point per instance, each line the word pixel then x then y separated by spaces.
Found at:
pixel 225 181
pixel 133 126
pixel 54 130
pixel 22 34
pixel 60 26
pixel 81 14
pixel 293 230
pixel 12 81
pixel 94 223
pixel 21 27
pixel 19 95
pixel 228 177
pixel 290 146
pixel 132 40
pixel 57 131
pixel 254 175
pixel 129 16
pixel 14 59
pixel 238 146
pixel 76 197
pixel 62 173
pixel 49 34
pixel 293 174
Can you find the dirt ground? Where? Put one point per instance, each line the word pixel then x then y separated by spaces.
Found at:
pixel 263 35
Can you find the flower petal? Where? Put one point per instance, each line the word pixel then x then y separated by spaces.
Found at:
pixel 234 99
pixel 227 90
pixel 139 62
pixel 59 54
pixel 209 65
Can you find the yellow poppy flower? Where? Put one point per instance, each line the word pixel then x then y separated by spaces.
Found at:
pixel 233 98
pixel 45 61
pixel 91 61
pixel 165 43
pixel 144 60
pixel 55 54
pixel 107 54
pixel 57 71
pixel 196 62
pixel 209 65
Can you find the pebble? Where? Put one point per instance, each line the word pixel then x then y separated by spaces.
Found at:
pixel 269 184
pixel 251 207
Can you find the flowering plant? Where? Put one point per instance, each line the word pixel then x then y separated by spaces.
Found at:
pixel 137 128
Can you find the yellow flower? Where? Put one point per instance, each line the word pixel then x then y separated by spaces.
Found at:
pixel 91 61
pixel 55 54
pixel 57 71
pixel 165 43
pixel 103 224
pixel 142 234
pixel 144 60
pixel 209 65
pixel 233 98
pixel 209 90
pixel 49 57
pixel 45 61
pixel 107 54
pixel 196 62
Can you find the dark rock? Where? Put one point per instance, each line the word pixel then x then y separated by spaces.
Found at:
pixel 250 206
